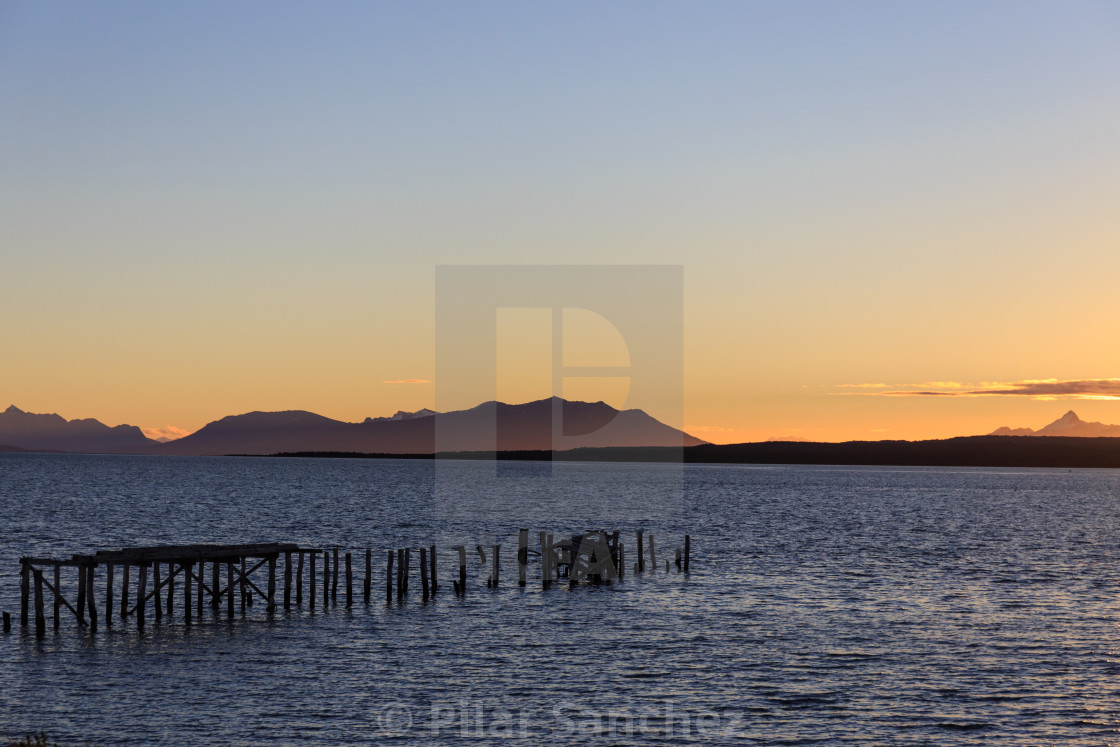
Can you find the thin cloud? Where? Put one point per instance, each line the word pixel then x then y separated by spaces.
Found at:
pixel 864 386
pixel 407 381
pixel 1039 389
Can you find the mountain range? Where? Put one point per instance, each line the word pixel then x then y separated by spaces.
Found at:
pixel 521 427
pixel 1069 425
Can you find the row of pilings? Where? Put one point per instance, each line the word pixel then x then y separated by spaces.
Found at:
pixel 223 575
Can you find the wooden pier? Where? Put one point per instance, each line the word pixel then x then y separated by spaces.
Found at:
pixel 234 575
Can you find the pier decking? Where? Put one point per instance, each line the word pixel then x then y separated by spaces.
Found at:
pixel 216 574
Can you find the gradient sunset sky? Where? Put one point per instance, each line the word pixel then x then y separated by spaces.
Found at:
pixel 894 219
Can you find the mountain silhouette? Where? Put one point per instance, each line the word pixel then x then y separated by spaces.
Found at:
pixel 486 427
pixel 26 431
pixel 1069 425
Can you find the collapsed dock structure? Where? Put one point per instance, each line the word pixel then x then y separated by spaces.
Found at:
pixel 233 576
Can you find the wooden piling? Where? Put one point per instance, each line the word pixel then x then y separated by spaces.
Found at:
pixel 270 606
pixel 58 597
pixel 124 590
pixel 156 591
pixel 82 594
pixel 402 574
pixel 367 587
pixel 687 551
pixel 677 558
pixel 462 569
pixel 407 567
pixel 326 579
pixel 545 555
pixel 287 580
pixel 215 585
pixel 242 586
pixel 522 555
pixel 641 553
pixel 199 575
pixel 171 572
pixel 349 582
pixel 334 580
pixel 108 594
pixel 621 561
pixel 187 584
pixel 652 555
pixel 7 622
pixel 389 579
pixel 90 602
pixel 424 572
pixel 299 580
pixel 229 585
pixel 40 616
pixel 141 595
pixel 24 590
pixel 494 565
pixel 432 560
pixel 311 579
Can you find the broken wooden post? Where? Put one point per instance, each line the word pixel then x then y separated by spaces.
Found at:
pixel 91 605
pixel 40 616
pixel 242 587
pixel 299 579
pixel 311 579
pixel 187 583
pixel 389 579
pixel 215 585
pixel 141 595
pixel 641 553
pixel 402 575
pixel 621 560
pixel 270 606
pixel 432 560
pixel 7 623
pixel 58 597
pixel 82 594
pixel 369 575
pixel 171 571
pixel 156 591
pixel 230 587
pixel 287 580
pixel 349 582
pixel 108 594
pixel 522 555
pixel 652 555
pixel 687 551
pixel 124 591
pixel 545 575
pixel 677 559
pixel 334 580
pixel 24 589
pixel 494 571
pixel 424 572
pixel 462 585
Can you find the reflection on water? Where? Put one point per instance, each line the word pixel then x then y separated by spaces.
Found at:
pixel 826 605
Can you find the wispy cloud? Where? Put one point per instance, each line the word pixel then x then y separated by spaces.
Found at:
pixel 1040 389
pixel 407 381
pixel 170 432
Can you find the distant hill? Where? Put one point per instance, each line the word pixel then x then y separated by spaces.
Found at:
pixel 526 426
pixel 33 432
pixel 1069 426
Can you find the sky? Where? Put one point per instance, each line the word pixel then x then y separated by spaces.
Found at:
pixel 891 219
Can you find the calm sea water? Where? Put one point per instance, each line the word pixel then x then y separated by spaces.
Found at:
pixel 825 606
